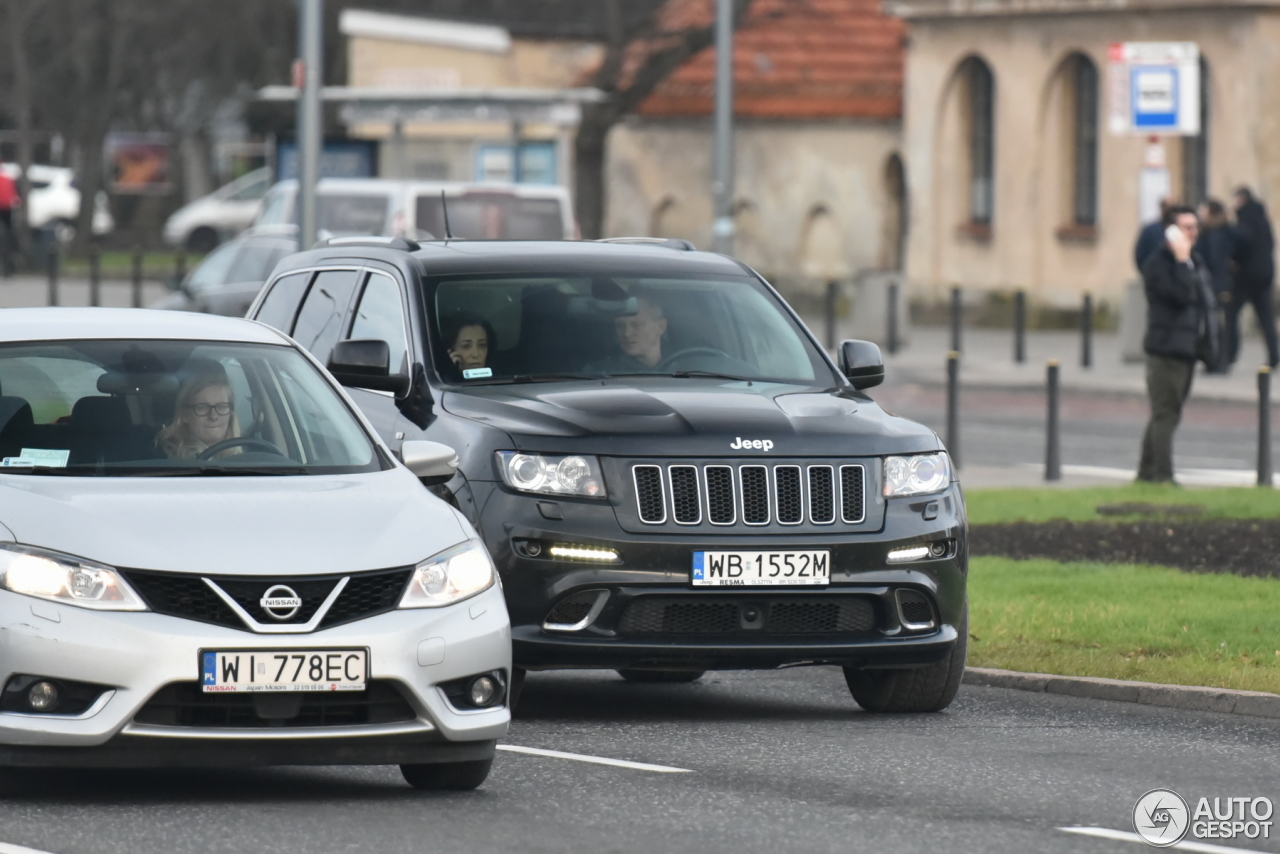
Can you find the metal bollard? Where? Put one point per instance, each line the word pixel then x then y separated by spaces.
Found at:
pixel 1019 326
pixel 53 271
pixel 956 320
pixel 95 276
pixel 893 318
pixel 1053 432
pixel 1264 426
pixel 1086 331
pixel 833 293
pixel 137 277
pixel 953 407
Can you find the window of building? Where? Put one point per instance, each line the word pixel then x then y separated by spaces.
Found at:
pixel 981 125
pixel 1084 185
pixel 1195 149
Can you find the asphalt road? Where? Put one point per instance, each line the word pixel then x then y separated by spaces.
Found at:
pixel 774 762
pixel 1001 427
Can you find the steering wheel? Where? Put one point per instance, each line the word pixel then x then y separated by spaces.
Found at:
pixel 239 442
pixel 694 351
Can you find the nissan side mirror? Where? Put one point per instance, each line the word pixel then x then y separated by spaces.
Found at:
pixel 365 363
pixel 861 363
pixel 432 462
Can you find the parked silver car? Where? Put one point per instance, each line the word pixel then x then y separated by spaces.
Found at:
pixel 228 279
pixel 200 225
pixel 207 557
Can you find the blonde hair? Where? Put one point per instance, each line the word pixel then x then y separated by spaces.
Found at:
pixel 175 438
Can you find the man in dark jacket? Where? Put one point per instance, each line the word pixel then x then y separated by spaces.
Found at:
pixel 1254 256
pixel 1178 292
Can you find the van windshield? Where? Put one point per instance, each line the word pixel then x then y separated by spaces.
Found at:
pixel 492 216
pixel 526 328
pixel 175 408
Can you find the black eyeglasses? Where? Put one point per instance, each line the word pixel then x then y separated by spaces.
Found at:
pixel 202 410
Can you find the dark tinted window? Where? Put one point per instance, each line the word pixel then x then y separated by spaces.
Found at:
pixel 380 315
pixel 320 320
pixel 281 304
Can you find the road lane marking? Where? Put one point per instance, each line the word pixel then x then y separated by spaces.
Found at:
pixel 1184 845
pixel 6 848
pixel 579 757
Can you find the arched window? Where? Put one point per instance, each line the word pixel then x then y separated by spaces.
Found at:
pixel 1195 149
pixel 980 103
pixel 1084 180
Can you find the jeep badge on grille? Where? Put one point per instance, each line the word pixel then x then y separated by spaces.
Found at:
pixel 741 444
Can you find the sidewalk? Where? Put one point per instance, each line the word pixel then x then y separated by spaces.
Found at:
pixel 30 291
pixel 986 360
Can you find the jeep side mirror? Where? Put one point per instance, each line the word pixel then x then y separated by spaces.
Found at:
pixel 432 462
pixel 365 363
pixel 861 363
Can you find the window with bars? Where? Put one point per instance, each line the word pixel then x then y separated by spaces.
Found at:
pixel 981 106
pixel 1085 132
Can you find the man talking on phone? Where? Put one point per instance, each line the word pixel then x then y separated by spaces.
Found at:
pixel 1178 333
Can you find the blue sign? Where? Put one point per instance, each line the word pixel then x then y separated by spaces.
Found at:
pixel 1154 97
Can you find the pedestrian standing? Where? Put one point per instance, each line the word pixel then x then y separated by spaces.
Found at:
pixel 1151 237
pixel 1216 245
pixel 1176 281
pixel 9 200
pixel 1255 273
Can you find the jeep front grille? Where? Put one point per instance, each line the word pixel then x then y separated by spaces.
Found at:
pixel 750 494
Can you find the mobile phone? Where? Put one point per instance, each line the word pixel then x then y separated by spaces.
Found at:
pixel 1172 233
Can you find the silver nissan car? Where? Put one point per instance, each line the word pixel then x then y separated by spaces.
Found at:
pixel 208 557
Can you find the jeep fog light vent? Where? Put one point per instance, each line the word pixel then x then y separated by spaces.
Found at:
pixel 574 613
pixel 914 609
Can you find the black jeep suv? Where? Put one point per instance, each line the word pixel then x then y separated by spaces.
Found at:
pixel 670 473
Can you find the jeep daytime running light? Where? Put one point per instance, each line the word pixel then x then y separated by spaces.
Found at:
pixel 584 553
pixel 65 579
pixel 919 474
pixel 451 576
pixel 543 474
pixel 908 554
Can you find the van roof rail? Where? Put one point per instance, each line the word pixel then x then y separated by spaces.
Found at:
pixel 402 243
pixel 668 242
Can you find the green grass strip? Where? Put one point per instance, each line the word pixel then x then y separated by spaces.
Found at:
pixel 1080 505
pixel 1144 623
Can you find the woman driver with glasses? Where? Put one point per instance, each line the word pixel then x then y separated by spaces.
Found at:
pixel 204 415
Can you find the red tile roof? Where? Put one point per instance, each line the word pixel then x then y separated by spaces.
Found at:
pixel 794 59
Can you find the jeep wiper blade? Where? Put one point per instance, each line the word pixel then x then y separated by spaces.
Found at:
pixel 545 378
pixel 684 375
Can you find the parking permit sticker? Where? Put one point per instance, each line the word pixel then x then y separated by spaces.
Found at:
pixel 53 458
pixel 477 373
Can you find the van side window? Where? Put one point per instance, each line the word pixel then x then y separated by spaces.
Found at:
pixel 281 303
pixel 380 315
pixel 319 322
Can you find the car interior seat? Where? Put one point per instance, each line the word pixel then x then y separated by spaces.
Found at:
pixel 102 430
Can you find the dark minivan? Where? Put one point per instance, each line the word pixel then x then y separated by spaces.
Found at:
pixel 670 473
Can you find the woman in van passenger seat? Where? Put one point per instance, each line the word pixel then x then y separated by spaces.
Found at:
pixel 203 417
pixel 470 339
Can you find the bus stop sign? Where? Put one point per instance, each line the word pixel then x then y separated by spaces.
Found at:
pixel 1154 88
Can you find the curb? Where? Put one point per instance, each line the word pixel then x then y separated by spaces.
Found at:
pixel 1256 703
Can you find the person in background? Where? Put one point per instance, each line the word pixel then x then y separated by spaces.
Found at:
pixel 9 201
pixel 1151 237
pixel 1255 272
pixel 1215 246
pixel 1175 279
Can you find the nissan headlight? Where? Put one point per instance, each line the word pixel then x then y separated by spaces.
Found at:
pixel 918 474
pixel 65 579
pixel 451 576
pixel 576 474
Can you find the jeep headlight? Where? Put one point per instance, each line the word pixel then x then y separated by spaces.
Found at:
pixel 451 576
pixel 65 579
pixel 917 474
pixel 575 474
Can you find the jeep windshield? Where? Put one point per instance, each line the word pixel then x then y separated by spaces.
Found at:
pixel 534 328
pixel 172 408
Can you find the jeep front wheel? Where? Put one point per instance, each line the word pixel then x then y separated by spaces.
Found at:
pixel 921 689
